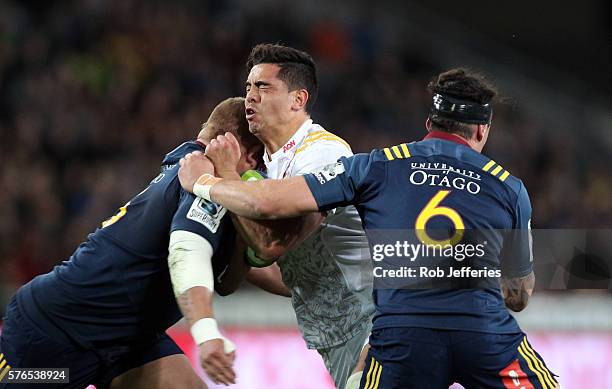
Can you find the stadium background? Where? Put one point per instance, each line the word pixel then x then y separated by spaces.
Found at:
pixel 94 93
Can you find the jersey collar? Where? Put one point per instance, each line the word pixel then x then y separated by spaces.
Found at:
pixel 446 136
pixel 289 148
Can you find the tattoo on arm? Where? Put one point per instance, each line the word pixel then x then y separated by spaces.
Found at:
pixel 517 291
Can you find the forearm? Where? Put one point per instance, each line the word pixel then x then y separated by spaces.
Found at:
pixel 517 291
pixel 269 279
pixel 195 304
pixel 272 238
pixel 266 199
pixel 191 274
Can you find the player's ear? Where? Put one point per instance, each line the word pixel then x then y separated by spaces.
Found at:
pixel 481 132
pixel 300 99
pixel 428 124
pixel 252 158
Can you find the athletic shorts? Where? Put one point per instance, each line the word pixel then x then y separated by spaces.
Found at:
pixel 341 360
pixel 420 358
pixel 24 345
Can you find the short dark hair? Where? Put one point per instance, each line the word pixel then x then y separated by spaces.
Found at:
pixel 228 116
pixel 297 68
pixel 462 84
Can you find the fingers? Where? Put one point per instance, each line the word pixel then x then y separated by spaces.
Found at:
pixel 188 156
pixel 218 367
pixel 231 139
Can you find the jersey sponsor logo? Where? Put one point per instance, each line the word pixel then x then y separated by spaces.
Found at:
pixel 444 175
pixel 288 146
pixel 515 378
pixel 206 213
pixel 329 172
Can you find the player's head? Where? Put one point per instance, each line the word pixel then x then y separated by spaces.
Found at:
pixel 461 105
pixel 281 87
pixel 228 116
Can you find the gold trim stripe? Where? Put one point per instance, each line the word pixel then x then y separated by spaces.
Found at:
pixel 305 146
pixel 388 154
pixel 538 362
pixel 375 386
pixel 396 151
pixel 8 367
pixel 531 367
pixel 2 363
pixel 405 150
pixel 496 170
pixel 503 177
pixel 320 134
pixel 314 133
pixel 375 375
pixel 488 166
pixel 369 373
pixel 324 136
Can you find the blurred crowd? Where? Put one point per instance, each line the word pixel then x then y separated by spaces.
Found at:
pixel 94 93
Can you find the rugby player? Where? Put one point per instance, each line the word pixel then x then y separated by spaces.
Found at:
pixel 322 255
pixel 424 337
pixel 104 312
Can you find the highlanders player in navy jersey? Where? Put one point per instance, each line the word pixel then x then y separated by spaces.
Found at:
pixel 104 312
pixel 427 332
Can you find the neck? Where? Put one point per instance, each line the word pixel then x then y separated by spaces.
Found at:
pixel 276 138
pixel 471 143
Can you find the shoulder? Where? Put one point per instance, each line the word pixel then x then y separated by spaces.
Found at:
pixel 489 166
pixel 179 152
pixel 392 153
pixel 318 139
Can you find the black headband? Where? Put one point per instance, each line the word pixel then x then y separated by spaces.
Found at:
pixel 461 110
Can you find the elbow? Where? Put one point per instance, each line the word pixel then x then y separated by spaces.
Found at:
pixel 516 306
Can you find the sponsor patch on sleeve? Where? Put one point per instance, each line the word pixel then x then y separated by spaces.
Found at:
pixel 329 172
pixel 206 213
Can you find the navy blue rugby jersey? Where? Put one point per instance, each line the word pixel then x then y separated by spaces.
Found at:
pixel 419 190
pixel 116 287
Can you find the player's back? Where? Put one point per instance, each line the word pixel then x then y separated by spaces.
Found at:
pixel 417 198
pixel 116 288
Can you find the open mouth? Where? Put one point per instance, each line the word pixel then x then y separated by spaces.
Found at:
pixel 249 113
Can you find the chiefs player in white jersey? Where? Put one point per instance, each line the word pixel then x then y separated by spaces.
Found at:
pixel 324 258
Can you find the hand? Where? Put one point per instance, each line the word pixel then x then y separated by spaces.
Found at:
pixel 192 166
pixel 224 152
pixel 216 363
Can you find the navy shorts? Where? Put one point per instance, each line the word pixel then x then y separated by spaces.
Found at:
pixel 420 358
pixel 25 345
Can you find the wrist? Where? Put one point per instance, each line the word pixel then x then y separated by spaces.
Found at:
pixel 204 184
pixel 206 329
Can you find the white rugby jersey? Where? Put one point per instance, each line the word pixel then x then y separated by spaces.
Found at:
pixel 329 274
